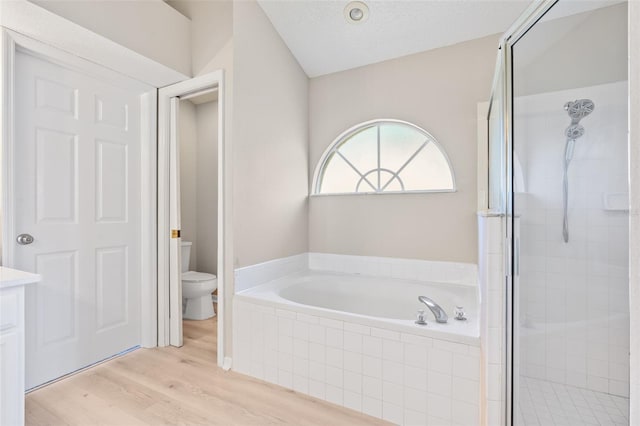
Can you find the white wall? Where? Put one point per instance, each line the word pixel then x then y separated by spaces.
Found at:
pixel 188 178
pixel 199 183
pixel 149 27
pixel 270 131
pixel 211 29
pixel 574 296
pixel 559 54
pixel 207 187
pixel 437 90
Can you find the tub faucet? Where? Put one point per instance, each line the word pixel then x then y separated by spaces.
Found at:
pixel 438 312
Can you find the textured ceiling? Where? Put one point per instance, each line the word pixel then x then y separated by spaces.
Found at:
pixel 323 42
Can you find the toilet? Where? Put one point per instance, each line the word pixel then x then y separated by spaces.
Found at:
pixel 196 289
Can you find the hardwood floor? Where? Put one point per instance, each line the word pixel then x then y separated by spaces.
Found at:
pixel 170 386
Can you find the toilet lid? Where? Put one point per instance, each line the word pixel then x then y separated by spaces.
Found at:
pixel 197 276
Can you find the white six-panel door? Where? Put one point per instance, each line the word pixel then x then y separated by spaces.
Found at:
pixel 77 192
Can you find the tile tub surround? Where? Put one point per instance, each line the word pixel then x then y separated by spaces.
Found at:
pixel 387 267
pixel 379 367
pixel 400 377
pixel 255 275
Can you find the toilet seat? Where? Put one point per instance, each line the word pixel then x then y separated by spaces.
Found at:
pixel 194 276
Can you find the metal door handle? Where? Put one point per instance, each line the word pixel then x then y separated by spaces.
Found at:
pixel 24 239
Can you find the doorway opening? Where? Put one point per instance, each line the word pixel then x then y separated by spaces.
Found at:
pixel 191 210
pixel 198 143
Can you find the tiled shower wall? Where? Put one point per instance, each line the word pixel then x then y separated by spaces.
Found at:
pixel 574 318
pixel 491 279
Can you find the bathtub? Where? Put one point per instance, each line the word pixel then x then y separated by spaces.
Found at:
pixel 351 340
pixel 374 301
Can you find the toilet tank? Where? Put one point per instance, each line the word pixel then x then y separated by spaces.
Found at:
pixel 185 250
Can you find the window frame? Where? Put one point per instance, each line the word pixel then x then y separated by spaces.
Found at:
pixel 342 137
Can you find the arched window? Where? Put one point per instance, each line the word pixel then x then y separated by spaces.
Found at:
pixel 384 156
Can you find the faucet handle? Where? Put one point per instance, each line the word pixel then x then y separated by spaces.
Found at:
pixel 421 320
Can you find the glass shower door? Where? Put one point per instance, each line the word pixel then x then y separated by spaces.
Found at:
pixel 569 206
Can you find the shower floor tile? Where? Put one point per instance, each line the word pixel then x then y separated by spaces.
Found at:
pixel 544 403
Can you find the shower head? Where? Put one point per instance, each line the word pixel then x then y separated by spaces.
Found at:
pixel 574 131
pixel 579 109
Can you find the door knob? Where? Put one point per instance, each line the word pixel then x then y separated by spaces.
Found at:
pixel 24 239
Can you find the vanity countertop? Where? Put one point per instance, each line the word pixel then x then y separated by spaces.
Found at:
pixel 12 277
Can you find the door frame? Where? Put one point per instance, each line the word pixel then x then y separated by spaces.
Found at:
pixel 170 332
pixel 10 41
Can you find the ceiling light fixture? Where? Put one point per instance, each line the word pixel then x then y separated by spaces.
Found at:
pixel 356 12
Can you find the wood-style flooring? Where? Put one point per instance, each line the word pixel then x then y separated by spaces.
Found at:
pixel 177 386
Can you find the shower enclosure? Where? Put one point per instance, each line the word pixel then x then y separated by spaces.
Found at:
pixel 558 151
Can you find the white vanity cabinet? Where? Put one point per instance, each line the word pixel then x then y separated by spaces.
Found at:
pixel 12 356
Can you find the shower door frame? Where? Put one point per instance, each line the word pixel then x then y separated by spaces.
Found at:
pixel 511 242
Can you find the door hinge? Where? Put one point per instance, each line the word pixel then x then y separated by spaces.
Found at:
pixel 175 233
